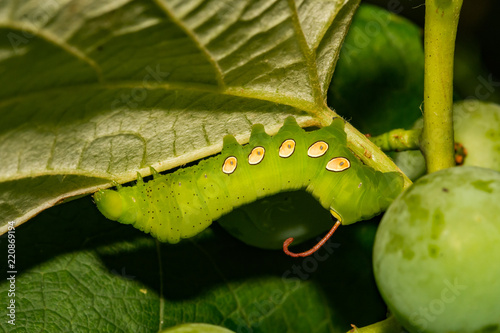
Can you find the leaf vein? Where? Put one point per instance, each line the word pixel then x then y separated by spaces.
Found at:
pixel 52 39
pixel 197 42
pixel 255 94
pixel 308 54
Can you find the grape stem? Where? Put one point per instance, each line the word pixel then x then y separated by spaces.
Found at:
pixel 398 140
pixel 441 20
pixel 389 325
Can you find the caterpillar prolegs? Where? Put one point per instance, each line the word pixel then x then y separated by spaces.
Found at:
pixel 184 203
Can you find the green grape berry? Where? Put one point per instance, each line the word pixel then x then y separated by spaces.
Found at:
pixel 197 328
pixel 265 223
pixel 437 253
pixel 476 129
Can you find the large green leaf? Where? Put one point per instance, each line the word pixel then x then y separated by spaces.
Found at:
pixel 95 275
pixel 94 91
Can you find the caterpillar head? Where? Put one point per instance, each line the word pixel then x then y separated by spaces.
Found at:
pixel 116 205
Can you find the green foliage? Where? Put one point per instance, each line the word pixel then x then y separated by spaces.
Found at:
pixel 79 272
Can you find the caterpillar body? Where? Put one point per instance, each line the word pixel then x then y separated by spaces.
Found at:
pixel 182 204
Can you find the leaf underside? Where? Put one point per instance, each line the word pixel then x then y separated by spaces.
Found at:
pixel 94 91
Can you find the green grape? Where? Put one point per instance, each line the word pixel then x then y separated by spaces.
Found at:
pixel 383 64
pixel 265 223
pixel 437 253
pixel 476 128
pixel 197 328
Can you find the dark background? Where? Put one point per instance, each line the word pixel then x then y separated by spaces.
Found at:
pixel 478 39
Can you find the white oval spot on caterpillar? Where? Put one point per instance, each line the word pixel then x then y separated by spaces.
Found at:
pixel 287 148
pixel 338 164
pixel 256 155
pixel 360 184
pixel 229 165
pixel 317 149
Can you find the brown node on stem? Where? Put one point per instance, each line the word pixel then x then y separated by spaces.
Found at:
pixel 460 153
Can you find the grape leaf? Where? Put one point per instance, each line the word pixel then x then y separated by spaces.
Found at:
pixel 94 91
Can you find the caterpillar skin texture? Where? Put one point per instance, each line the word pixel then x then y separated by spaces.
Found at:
pixel 184 203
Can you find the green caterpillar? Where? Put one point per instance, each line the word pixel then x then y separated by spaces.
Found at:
pixel 184 203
